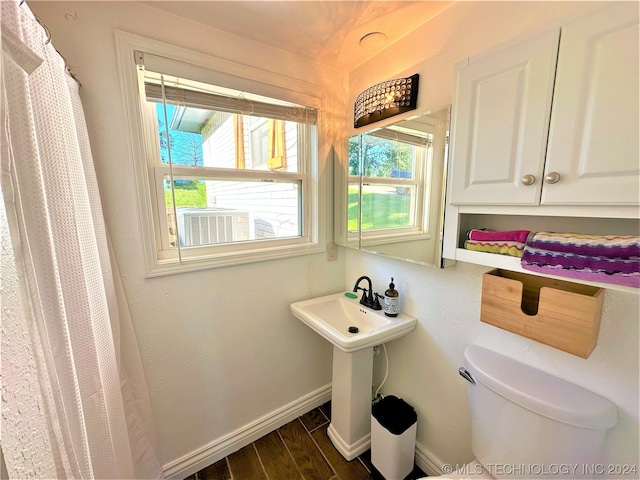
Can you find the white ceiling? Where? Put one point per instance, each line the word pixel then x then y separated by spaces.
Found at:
pixel 325 31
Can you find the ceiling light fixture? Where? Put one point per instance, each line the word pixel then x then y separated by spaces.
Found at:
pixel 373 41
pixel 385 100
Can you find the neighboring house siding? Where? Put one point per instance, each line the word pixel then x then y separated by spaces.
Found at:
pixel 218 148
pixel 291 145
pixel 273 207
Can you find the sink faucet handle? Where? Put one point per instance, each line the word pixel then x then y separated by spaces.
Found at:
pixel 371 297
pixel 364 300
pixel 376 302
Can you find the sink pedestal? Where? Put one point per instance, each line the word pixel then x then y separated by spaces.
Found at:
pixel 350 428
pixel 333 317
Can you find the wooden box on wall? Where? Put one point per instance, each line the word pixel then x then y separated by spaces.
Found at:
pixel 564 315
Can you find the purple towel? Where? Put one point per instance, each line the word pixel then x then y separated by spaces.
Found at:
pixel 587 275
pixel 608 246
pixel 621 271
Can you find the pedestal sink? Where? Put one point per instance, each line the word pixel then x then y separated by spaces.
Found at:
pixel 354 330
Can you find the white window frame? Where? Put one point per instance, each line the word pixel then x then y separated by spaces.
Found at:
pixel 143 139
pixel 422 172
pixel 260 125
pixel 165 252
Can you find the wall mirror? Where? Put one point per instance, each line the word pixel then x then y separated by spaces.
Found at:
pixel 390 186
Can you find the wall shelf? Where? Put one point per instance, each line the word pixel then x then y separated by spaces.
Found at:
pixel 512 263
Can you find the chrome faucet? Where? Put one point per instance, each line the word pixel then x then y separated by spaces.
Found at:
pixel 367 294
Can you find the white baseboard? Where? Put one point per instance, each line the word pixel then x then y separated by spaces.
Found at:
pixel 234 441
pixel 428 462
pixel 348 451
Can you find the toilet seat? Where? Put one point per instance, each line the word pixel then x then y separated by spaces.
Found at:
pixel 473 470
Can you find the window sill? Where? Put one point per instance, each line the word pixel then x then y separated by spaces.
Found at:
pixel 371 240
pixel 193 264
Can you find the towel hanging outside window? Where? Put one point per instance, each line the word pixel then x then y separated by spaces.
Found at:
pixel 275 146
pixel 238 130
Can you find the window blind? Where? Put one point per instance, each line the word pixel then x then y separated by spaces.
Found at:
pixel 394 135
pixel 221 103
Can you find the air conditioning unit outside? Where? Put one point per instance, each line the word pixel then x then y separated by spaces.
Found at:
pixel 211 226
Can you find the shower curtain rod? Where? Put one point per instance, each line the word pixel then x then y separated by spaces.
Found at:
pixel 48 40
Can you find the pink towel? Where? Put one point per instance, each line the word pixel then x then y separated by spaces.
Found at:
pixel 505 236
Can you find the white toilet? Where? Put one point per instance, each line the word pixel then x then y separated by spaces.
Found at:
pixel 528 424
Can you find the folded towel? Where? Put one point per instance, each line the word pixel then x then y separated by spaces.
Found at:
pixel 513 249
pixel 621 271
pixel 610 246
pixel 504 236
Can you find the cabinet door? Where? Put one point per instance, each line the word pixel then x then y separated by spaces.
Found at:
pixel 501 111
pixel 593 137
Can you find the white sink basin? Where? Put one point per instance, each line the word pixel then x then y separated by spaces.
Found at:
pixel 332 315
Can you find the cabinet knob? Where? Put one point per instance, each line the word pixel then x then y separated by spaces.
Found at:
pixel 552 177
pixel 528 180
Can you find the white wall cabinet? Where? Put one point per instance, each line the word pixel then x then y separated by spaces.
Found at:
pixel 518 140
pixel 502 103
pixel 593 136
pixel 545 135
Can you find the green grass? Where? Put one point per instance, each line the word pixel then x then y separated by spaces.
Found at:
pixel 379 210
pixel 192 195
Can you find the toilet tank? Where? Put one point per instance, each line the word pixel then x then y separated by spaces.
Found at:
pixel 528 424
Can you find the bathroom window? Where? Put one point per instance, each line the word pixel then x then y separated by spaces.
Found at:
pixel 389 169
pixel 232 174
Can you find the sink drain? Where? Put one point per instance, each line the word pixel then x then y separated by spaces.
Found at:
pixel 353 330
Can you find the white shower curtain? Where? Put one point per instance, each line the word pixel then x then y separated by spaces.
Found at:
pixel 74 397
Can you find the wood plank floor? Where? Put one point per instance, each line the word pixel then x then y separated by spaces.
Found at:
pixel 299 450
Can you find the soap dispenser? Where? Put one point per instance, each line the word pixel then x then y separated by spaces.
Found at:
pixel 391 307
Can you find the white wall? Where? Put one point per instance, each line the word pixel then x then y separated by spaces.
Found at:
pixel 220 347
pixel 423 365
pixel 218 344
